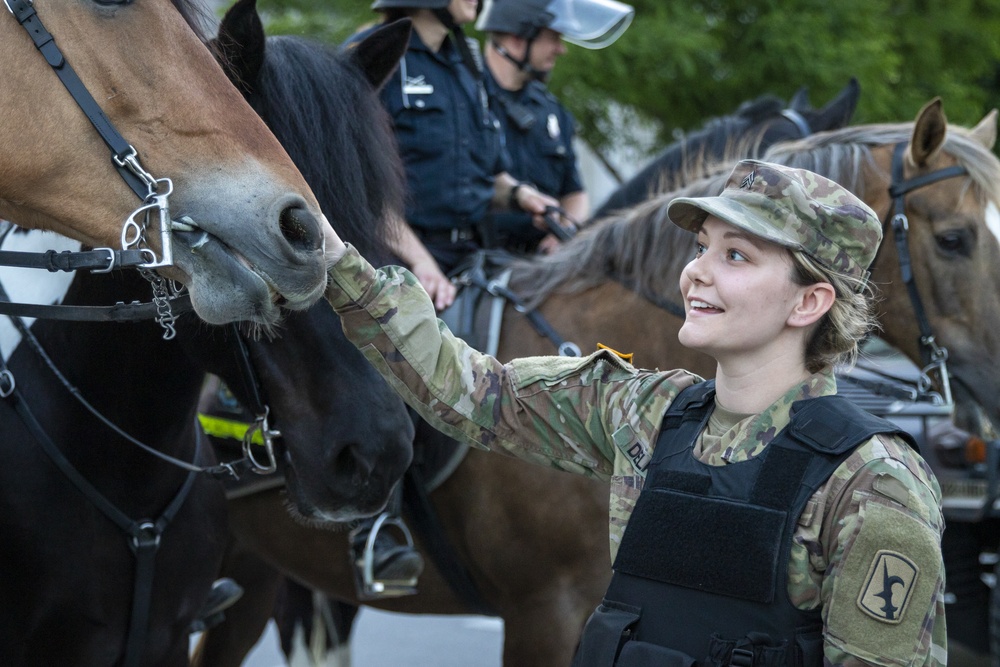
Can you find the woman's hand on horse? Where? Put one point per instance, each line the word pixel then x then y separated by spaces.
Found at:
pixel 333 246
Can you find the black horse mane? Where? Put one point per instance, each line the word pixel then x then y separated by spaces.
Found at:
pixel 700 147
pixel 748 113
pixel 322 109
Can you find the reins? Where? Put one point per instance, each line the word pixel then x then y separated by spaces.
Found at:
pixel 934 355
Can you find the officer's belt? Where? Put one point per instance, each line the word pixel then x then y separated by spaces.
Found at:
pixel 445 235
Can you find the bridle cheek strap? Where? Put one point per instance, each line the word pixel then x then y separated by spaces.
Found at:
pixel 934 355
pixel 123 155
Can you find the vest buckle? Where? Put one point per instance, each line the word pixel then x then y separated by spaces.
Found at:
pixel 741 657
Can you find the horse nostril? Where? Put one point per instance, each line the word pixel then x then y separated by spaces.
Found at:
pixel 300 228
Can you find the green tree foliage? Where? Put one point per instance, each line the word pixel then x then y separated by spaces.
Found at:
pixel 682 63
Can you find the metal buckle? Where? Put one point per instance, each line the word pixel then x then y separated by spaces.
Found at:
pixel 461 234
pixel 111 261
pixel 11 9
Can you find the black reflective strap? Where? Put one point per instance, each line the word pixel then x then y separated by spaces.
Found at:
pixel 25 14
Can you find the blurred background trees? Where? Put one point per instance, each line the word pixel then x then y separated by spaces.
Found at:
pixel 681 63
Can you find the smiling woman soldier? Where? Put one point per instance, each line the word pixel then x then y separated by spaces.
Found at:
pixel 757 519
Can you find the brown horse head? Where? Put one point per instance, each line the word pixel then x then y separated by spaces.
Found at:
pixel 953 229
pixel 256 239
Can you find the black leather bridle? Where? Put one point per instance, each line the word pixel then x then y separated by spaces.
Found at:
pixel 152 192
pixel 935 356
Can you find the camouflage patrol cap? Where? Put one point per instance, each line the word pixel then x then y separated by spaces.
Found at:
pixel 794 208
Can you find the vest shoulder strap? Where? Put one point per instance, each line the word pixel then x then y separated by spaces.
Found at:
pixel 834 425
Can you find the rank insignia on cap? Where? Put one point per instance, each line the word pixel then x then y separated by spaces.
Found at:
pixel 888 586
pixel 747 181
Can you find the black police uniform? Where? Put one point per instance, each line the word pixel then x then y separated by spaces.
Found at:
pixel 451 146
pixel 701 575
pixel 539 132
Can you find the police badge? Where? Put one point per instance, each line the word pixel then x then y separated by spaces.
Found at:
pixel 553 126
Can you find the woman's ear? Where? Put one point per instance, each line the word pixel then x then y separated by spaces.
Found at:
pixel 814 302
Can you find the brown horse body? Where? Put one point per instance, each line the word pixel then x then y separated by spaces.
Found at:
pixel 535 540
pixel 258 235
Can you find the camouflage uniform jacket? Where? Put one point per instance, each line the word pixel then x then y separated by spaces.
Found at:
pixel 872 531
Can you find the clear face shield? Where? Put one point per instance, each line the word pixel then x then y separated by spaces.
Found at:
pixel 592 24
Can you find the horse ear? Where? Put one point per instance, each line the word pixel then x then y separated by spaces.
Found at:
pixel 837 113
pixel 928 132
pixel 800 100
pixel 240 44
pixel 986 131
pixel 378 54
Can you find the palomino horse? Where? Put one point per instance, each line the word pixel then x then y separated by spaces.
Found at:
pixel 246 233
pixel 749 131
pixel 74 503
pixel 534 540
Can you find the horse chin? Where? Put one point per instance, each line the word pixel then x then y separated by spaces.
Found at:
pixel 224 287
pixel 337 510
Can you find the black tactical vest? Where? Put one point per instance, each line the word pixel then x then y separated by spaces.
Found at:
pixel 701 577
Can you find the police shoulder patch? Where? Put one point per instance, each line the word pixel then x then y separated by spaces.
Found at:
pixel 890 580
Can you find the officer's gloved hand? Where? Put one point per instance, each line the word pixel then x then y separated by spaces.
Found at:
pixel 529 199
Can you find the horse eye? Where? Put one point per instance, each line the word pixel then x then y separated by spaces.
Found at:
pixel 954 243
pixel 112 3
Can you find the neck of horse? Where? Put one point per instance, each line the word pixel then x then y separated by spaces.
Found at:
pixel 610 314
pixel 144 385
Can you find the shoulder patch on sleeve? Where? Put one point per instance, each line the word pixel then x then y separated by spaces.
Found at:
pixel 889 582
pixel 886 585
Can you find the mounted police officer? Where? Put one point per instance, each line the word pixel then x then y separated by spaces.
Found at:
pixel 452 150
pixel 755 520
pixel 525 40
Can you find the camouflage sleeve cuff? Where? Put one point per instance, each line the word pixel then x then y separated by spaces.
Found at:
pixel 350 278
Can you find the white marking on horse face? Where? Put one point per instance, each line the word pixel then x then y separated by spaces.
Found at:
pixel 993 220
pixel 31 285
